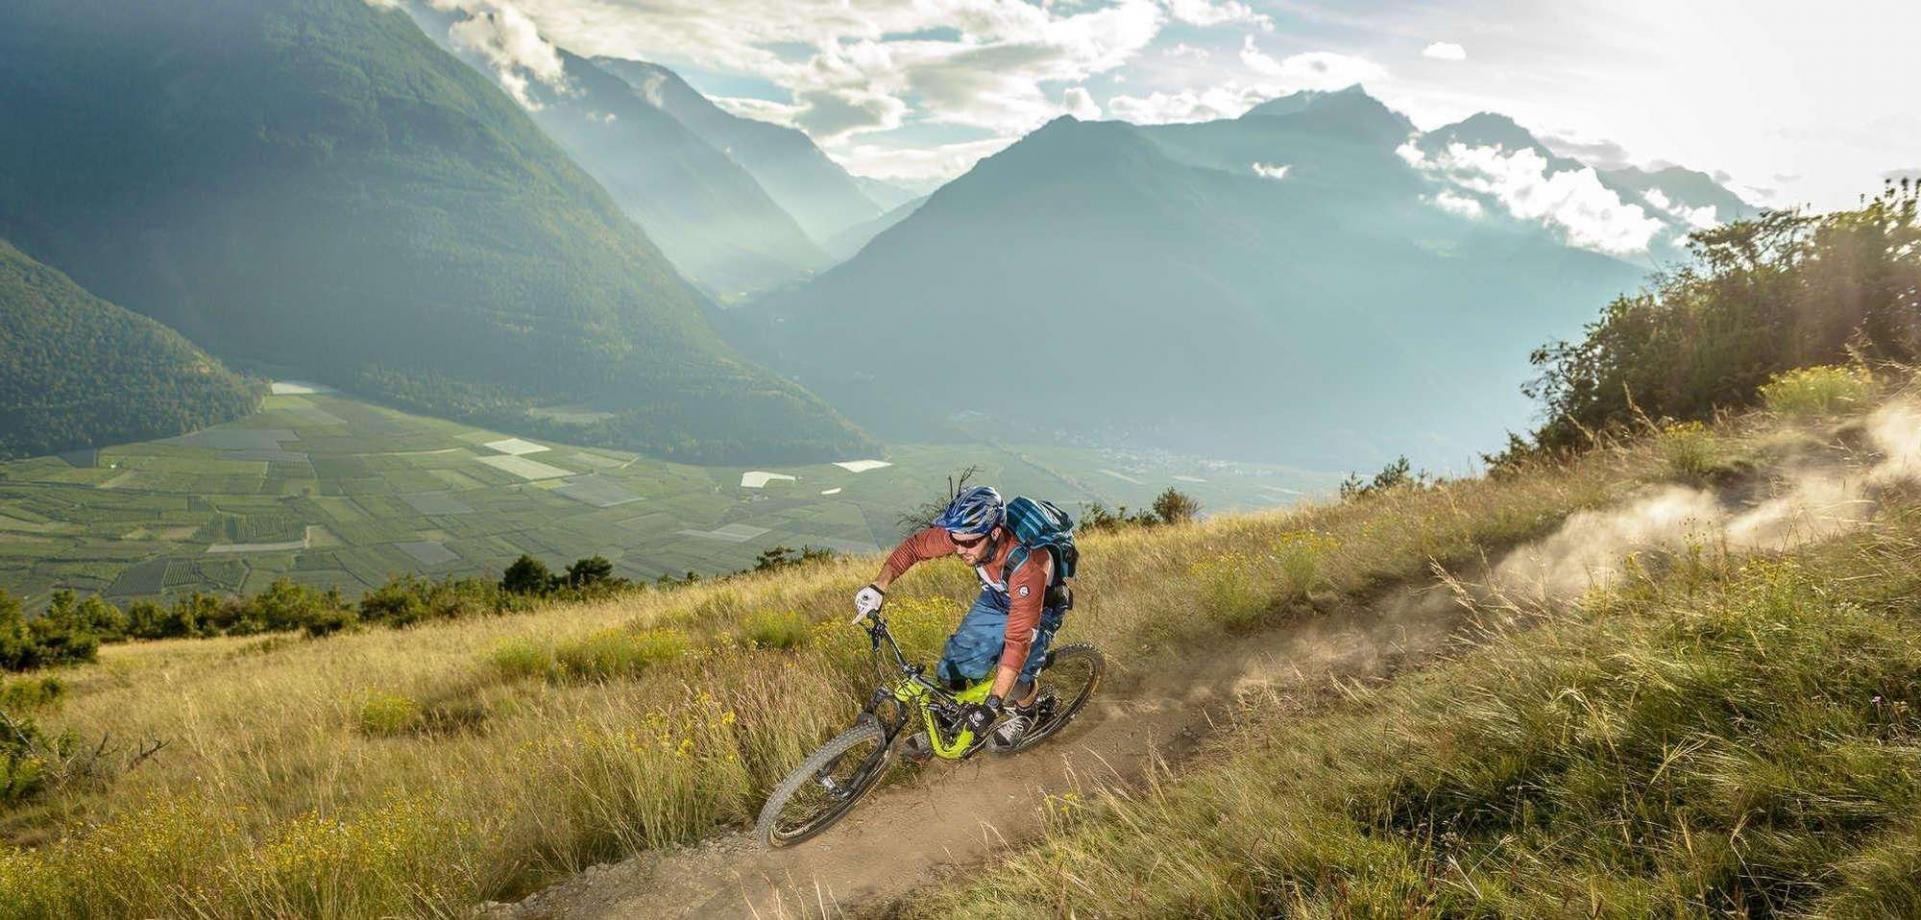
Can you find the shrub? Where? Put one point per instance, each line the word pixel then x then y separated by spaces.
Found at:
pixel 782 557
pixel 774 629
pixel 620 652
pixel 31 693
pixel 1823 390
pixel 27 755
pixel 1298 559
pixel 1765 295
pixel 1232 588
pixel 384 714
pixel 1688 449
pixel 1397 475
pixel 522 658
pixel 1170 507
pixel 1175 507
pixel 527 575
pixel 60 637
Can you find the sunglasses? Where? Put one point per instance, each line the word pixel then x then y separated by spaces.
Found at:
pixel 968 543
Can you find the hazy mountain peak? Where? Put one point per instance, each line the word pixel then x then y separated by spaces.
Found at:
pixel 1488 129
pixel 1349 112
pixel 800 178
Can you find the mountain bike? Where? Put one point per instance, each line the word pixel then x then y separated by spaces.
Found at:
pixel 909 710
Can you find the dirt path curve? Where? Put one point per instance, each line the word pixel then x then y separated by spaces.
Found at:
pixel 901 837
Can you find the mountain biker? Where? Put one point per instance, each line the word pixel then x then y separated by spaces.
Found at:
pixel 1011 623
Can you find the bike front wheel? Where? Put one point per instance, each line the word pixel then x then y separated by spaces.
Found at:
pixel 825 787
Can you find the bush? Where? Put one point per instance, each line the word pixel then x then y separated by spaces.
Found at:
pixel 385 714
pixel 27 756
pixel 1175 507
pixel 60 637
pixel 1397 475
pixel 1170 507
pixel 1780 291
pixel 620 652
pixel 774 629
pixel 1233 589
pixel 30 693
pixel 522 658
pixel 782 557
pixel 1811 391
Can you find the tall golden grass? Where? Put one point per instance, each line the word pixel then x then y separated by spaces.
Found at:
pixel 421 771
pixel 1713 734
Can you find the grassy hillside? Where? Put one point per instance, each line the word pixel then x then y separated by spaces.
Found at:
pixel 334 492
pixel 423 770
pixel 1717 733
pixel 77 371
pixel 312 183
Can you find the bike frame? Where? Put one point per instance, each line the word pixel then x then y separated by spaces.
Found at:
pixel 912 695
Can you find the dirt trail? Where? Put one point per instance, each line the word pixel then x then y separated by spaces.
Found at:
pixel 902 837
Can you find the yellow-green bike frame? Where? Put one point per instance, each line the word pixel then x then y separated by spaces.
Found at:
pixel 912 702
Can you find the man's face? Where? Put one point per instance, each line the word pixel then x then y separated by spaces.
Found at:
pixel 973 548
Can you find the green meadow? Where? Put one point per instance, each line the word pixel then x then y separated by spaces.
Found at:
pixel 332 491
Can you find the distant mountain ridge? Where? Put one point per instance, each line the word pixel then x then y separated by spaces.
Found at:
pixel 1306 283
pixel 314 183
pixel 709 216
pixel 77 371
pixel 822 196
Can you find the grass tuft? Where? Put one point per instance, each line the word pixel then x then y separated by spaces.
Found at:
pixel 1818 391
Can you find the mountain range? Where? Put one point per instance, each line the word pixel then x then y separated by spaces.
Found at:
pixel 1315 282
pixel 314 184
pixel 77 371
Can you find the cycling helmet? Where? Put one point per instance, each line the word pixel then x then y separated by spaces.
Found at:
pixel 975 511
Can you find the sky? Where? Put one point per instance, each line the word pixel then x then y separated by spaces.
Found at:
pixel 1787 103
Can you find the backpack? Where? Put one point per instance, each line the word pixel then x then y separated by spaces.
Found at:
pixel 1042 525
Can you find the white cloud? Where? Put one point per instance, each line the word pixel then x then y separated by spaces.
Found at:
pixel 1458 204
pixel 832 114
pixel 1574 201
pixel 1189 53
pixel 780 113
pixel 1270 170
pixel 1226 100
pixel 916 166
pixel 1445 51
pixel 1080 103
pixel 511 45
pixel 1210 13
pixel 1323 70
pixel 1699 218
pixel 1004 71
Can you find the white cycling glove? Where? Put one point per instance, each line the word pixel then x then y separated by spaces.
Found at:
pixel 867 602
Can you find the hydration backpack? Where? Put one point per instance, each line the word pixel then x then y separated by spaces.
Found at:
pixel 1042 525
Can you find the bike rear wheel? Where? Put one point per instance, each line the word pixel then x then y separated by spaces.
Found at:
pixel 1069 678
pixel 824 787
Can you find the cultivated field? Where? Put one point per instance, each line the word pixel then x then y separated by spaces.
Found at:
pixel 335 492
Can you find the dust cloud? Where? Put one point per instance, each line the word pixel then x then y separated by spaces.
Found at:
pixel 1808 497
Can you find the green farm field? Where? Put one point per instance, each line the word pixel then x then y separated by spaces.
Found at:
pixel 332 491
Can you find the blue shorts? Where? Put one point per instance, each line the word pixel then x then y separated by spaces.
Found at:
pixel 976 645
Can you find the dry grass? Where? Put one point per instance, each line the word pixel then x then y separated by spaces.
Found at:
pixel 421 771
pixel 1714 735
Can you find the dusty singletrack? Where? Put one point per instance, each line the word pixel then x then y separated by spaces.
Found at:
pixel 907 835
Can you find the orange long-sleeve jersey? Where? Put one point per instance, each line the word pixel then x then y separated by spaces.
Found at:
pixel 1026 586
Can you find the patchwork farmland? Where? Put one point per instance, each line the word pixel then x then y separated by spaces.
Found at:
pixel 334 492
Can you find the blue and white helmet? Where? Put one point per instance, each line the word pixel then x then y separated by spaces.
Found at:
pixel 976 511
